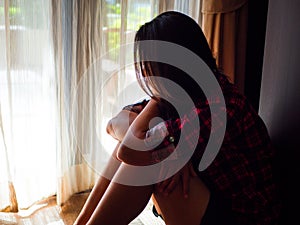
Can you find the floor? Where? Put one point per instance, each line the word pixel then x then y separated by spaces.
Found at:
pixel 48 213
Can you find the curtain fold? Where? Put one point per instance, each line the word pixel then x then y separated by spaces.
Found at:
pixel 166 5
pixel 225 27
pixel 77 41
pixel 189 7
pixel 10 204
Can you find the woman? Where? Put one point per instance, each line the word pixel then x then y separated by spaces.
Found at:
pixel 236 188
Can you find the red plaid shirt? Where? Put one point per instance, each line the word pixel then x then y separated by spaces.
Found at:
pixel 242 170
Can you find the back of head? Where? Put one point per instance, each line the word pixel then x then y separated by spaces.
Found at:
pixel 180 29
pixel 177 28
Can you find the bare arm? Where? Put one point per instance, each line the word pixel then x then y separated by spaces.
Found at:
pixel 136 133
pixel 139 129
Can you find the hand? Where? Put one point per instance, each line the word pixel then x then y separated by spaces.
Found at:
pixel 184 175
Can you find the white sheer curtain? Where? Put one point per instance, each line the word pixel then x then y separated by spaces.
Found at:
pixel 63 75
pixel 27 99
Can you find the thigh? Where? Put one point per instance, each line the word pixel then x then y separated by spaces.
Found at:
pixel 177 210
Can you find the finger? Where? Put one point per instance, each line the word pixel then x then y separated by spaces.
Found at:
pixel 171 186
pixel 164 184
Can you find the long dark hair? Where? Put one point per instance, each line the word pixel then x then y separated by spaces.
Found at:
pixel 177 28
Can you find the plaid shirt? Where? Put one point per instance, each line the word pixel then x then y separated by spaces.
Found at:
pixel 242 171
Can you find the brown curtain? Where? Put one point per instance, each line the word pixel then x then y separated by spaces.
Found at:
pixel 224 24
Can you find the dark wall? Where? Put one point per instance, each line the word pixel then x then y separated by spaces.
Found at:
pixel 280 99
pixel 257 20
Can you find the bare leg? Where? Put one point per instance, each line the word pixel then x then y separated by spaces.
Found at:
pixel 121 204
pixel 98 190
pixel 112 203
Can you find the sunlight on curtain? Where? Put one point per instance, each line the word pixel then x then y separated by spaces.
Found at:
pixel 27 97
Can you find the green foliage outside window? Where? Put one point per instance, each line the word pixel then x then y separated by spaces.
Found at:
pixel 137 15
pixel 32 19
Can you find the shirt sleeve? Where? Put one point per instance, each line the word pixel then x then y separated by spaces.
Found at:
pixel 187 127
